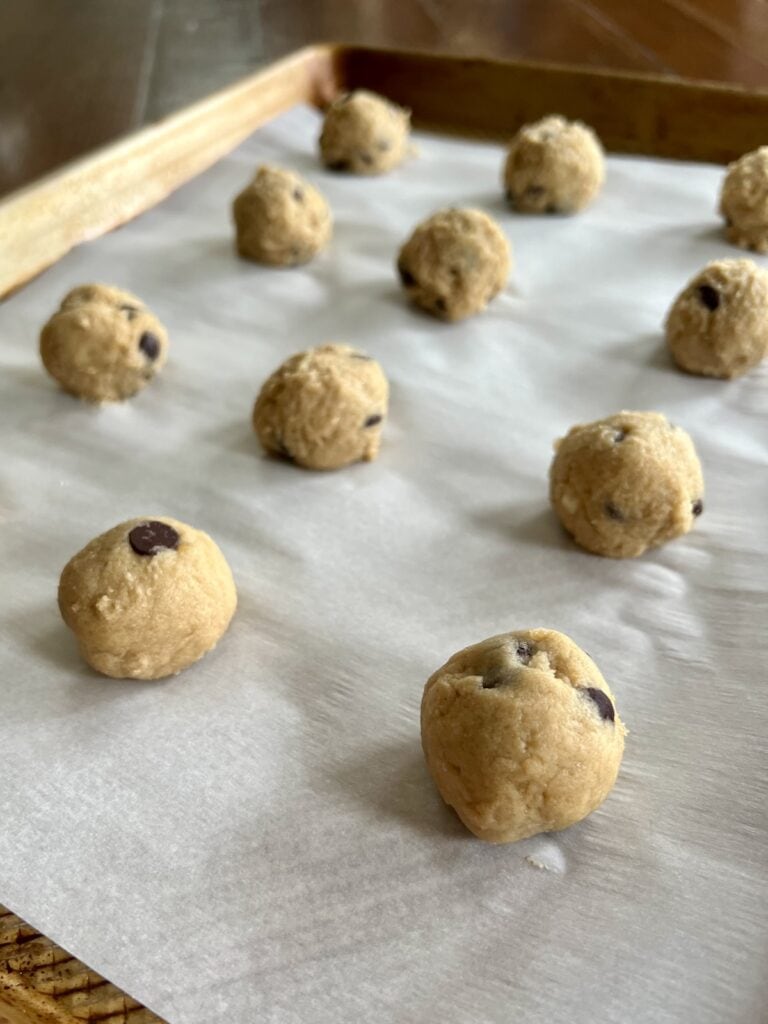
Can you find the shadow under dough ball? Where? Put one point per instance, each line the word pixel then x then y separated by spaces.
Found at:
pixel 103 344
pixel 280 219
pixel 626 483
pixel 744 201
pixel 521 734
pixel 147 598
pixel 454 263
pixel 323 408
pixel 364 134
pixel 718 324
pixel 553 166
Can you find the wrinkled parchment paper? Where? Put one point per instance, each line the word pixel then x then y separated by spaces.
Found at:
pixel 257 840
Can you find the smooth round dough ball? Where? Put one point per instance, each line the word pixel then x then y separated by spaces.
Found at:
pixel 521 734
pixel 626 483
pixel 553 166
pixel 718 324
pixel 323 408
pixel 147 598
pixel 364 133
pixel 280 219
pixel 103 344
pixel 454 263
pixel 744 201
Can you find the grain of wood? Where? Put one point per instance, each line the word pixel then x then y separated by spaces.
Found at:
pixel 686 39
pixel 40 983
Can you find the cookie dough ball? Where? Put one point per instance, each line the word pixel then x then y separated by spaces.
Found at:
pixel 323 408
pixel 454 263
pixel 553 166
pixel 281 219
pixel 364 133
pixel 103 344
pixel 626 483
pixel 147 598
pixel 744 201
pixel 521 734
pixel 718 324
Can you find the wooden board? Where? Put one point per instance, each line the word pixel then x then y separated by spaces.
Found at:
pixel 42 984
pixel 645 114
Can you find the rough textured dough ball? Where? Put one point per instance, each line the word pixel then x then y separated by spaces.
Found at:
pixel 103 344
pixel 147 598
pixel 553 166
pixel 454 263
pixel 718 324
pixel 521 734
pixel 323 408
pixel 364 133
pixel 744 201
pixel 280 219
pixel 626 483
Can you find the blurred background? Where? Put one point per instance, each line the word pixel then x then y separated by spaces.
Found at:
pixel 75 74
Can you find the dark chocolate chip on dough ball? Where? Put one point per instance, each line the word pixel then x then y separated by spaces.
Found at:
pixel 521 734
pixel 454 263
pixel 364 134
pixel 147 598
pixel 626 483
pixel 553 166
pixel 718 324
pixel 281 219
pixel 323 408
pixel 103 344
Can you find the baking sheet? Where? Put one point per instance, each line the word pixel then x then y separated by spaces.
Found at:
pixel 257 839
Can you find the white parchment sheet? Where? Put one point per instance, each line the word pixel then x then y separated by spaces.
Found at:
pixel 257 840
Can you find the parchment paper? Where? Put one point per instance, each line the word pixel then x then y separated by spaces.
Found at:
pixel 257 839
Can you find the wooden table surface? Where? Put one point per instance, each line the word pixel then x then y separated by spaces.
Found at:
pixel 77 75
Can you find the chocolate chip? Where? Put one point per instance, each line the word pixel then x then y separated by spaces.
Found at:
pixel 603 701
pixel 298 195
pixel 494 679
pixel 697 507
pixel 501 674
pixel 338 165
pixel 440 305
pixel 153 537
pixel 383 146
pixel 612 512
pixel 366 158
pixel 406 276
pixel 619 436
pixel 551 208
pixel 372 421
pixel 130 311
pixel 281 450
pixel 149 345
pixel 709 296
pixel 728 222
pixel 524 651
